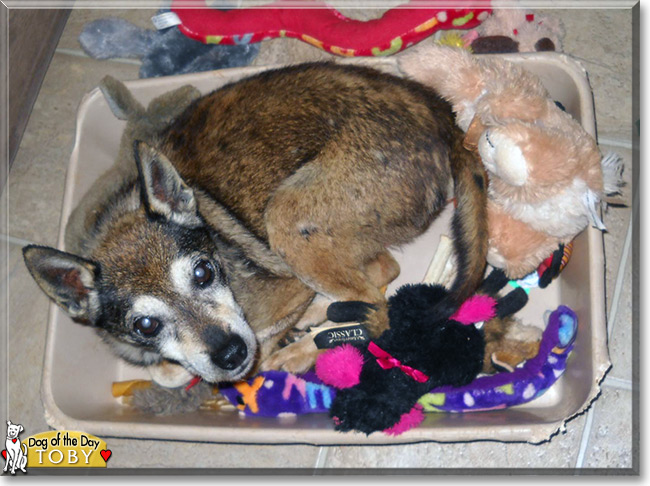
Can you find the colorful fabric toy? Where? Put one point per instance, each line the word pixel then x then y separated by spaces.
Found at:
pixel 520 386
pixel 324 27
pixel 421 350
pixel 554 264
pixel 277 393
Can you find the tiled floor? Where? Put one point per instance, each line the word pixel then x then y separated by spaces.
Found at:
pixel 600 438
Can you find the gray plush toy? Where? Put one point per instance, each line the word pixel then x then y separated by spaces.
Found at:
pixel 163 52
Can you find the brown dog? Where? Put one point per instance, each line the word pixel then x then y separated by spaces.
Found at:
pixel 260 195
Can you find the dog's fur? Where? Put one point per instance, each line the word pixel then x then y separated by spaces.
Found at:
pixel 16 451
pixel 286 184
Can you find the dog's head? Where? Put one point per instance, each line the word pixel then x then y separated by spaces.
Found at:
pixel 154 286
pixel 13 430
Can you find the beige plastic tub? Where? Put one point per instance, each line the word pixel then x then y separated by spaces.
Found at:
pixel 79 368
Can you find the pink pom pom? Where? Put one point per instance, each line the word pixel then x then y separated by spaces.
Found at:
pixel 475 309
pixel 407 421
pixel 340 367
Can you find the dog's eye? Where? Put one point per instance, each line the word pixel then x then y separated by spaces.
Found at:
pixel 203 273
pixel 147 326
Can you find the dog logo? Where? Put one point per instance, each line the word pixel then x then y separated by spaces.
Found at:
pixel 15 452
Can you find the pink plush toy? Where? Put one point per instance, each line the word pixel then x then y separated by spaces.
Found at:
pixel 322 26
pixel 546 174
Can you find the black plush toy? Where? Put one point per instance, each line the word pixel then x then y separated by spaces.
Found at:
pixel 381 383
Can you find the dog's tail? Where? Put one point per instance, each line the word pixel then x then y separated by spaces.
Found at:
pixel 469 224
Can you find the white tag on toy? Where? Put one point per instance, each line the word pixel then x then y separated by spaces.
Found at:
pixel 165 20
pixel 591 201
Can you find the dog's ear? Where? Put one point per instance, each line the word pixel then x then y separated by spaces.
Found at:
pixel 67 279
pixel 21 428
pixel 165 194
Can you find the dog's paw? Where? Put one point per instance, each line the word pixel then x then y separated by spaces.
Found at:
pixel 297 357
pixel 292 336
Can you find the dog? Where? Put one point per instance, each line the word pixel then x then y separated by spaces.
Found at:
pixel 16 451
pixel 257 206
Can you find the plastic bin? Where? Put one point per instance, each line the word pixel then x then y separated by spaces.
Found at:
pixel 79 368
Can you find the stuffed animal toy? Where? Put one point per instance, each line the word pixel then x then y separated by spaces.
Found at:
pixel 546 174
pixel 381 384
pixel 508 342
pixel 419 351
pixel 516 30
pixel 163 52
pixel 324 27
pixel 523 384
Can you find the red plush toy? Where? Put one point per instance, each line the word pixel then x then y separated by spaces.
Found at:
pixel 325 27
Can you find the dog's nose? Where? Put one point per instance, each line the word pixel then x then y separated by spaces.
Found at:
pixel 231 355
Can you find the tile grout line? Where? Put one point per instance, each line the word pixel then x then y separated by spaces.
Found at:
pixel 321 458
pixel 620 277
pixel 584 440
pixel 615 143
pixel 620 383
pixel 609 382
pixel 16 241
pixel 79 53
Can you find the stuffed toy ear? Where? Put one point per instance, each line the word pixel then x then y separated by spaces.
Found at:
pixel 348 311
pixel 340 367
pixel 503 157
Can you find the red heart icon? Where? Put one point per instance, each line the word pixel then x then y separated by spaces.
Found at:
pixel 106 453
pixel 14 440
pixel 4 453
